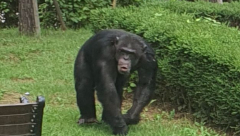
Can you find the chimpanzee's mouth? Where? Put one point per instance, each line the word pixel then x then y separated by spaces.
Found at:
pixel 124 69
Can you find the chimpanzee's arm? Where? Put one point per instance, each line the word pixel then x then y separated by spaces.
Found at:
pixel 145 89
pixel 108 96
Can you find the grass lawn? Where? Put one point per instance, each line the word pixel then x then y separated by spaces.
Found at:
pixel 44 66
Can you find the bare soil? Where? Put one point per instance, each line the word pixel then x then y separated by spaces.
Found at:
pixel 23 80
pixel 150 112
pixel 10 98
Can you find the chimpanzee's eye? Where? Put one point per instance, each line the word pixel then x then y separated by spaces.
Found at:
pixel 120 50
pixel 132 55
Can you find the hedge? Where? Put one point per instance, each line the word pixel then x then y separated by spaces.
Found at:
pixel 225 13
pixel 199 62
pixel 75 12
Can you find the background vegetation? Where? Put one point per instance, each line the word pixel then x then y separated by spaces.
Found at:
pixel 75 12
pixel 45 67
pixel 228 13
pixel 198 54
pixel 199 61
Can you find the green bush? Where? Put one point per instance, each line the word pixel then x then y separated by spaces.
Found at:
pixel 75 12
pixel 9 8
pixel 225 13
pixel 199 62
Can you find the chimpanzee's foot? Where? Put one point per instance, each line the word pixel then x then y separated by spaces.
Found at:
pixel 84 121
pixel 120 131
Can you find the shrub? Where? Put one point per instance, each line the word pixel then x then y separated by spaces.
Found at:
pixel 75 12
pixel 225 13
pixel 199 62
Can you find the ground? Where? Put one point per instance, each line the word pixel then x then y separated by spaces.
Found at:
pixel 44 66
pixel 154 111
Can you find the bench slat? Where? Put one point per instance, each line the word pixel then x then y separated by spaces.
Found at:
pixel 29 134
pixel 16 129
pixel 17 118
pixel 16 109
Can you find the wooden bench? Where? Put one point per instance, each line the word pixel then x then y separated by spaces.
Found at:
pixel 23 119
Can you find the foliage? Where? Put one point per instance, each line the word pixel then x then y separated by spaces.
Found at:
pixel 225 13
pixel 126 3
pixel 44 66
pixel 131 83
pixel 199 59
pixel 75 12
pixel 9 8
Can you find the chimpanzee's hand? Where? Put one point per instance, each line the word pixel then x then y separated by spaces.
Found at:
pixel 130 119
pixel 121 131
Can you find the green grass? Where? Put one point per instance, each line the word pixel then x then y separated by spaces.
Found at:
pixel 44 66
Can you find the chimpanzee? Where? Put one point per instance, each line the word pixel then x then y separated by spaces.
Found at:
pixel 104 63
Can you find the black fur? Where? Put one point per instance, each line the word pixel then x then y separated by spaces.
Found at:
pixel 96 69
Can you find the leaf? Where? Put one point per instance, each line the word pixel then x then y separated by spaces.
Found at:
pixel 152 101
pixel 158 15
pixel 85 8
pixel 74 20
pixel 129 90
pixel 234 113
pixel 198 19
pixel 132 85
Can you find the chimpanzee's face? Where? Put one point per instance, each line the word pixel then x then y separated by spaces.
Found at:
pixel 128 53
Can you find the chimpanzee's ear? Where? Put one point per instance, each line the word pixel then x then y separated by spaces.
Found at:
pixel 144 48
pixel 115 40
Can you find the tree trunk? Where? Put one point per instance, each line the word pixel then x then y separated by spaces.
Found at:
pixel 28 17
pixel 114 3
pixel 59 14
pixel 220 1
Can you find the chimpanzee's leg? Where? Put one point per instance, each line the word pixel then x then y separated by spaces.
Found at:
pixel 84 86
